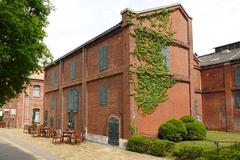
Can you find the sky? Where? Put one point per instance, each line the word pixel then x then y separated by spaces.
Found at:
pixel 215 22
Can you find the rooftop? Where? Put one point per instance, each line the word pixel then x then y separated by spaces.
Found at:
pixel 225 53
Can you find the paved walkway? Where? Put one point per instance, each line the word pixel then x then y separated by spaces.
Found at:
pixel 15 149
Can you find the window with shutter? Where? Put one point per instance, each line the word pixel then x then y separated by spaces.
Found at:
pixel 72 101
pixel 166 53
pixel 72 70
pixel 52 102
pixel 237 75
pixel 103 58
pixel 52 78
pixel 237 99
pixel 51 121
pixel 103 96
pixel 46 118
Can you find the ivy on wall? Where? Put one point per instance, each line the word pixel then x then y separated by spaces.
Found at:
pixel 150 75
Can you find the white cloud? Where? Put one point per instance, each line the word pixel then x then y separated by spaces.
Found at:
pixel 77 21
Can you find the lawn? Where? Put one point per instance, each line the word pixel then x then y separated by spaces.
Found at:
pixel 208 145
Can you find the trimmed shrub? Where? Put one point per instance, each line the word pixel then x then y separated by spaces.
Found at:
pixel 228 154
pixel 138 143
pixel 195 131
pixel 189 153
pixel 188 119
pixel 160 147
pixel 173 130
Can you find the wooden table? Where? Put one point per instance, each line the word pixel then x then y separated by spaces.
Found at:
pixel 68 134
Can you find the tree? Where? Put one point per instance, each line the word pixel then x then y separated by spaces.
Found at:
pixel 22 50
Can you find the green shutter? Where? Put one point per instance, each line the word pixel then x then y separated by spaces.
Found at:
pixel 51 121
pixel 53 78
pixel 75 100
pixel 72 71
pixel 46 118
pixel 71 120
pixel 166 53
pixel 237 75
pixel 52 102
pixel 103 96
pixel 103 58
pixel 68 101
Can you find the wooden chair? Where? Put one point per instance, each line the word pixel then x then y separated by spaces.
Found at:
pixel 83 135
pixel 51 132
pixel 75 138
pixel 25 128
pixel 57 136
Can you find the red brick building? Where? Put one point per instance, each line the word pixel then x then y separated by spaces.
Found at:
pixel 19 111
pixel 220 73
pixel 82 91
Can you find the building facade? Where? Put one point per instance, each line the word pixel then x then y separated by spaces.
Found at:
pixel 220 76
pixel 28 106
pixel 88 88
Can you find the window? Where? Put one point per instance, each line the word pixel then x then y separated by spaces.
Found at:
pixel 166 53
pixel 237 75
pixel 103 58
pixel 71 120
pixel 237 99
pixel 53 78
pixel 103 96
pixel 51 121
pixel 72 100
pixel 36 115
pixel 52 102
pixel 46 118
pixel 36 91
pixel 72 70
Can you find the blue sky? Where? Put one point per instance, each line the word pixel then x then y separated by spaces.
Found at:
pixel 215 22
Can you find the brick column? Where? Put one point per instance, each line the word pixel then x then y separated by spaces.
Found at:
pixel 228 96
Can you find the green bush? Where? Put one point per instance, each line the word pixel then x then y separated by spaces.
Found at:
pixel 138 143
pixel 160 147
pixel 188 119
pixel 195 131
pixel 189 153
pixel 173 130
pixel 228 154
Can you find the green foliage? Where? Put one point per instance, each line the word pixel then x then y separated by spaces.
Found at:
pixel 187 119
pixel 189 153
pixel 160 147
pixel 22 50
pixel 151 77
pixel 228 154
pixel 173 130
pixel 138 143
pixel 153 146
pixel 196 130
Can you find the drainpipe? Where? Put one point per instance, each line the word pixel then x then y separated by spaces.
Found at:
pixel 83 118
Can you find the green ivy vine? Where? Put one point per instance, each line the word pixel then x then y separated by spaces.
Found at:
pixel 151 76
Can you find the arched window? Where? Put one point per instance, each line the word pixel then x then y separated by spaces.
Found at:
pixel 36 91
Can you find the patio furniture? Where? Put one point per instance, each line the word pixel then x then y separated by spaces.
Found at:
pixel 75 138
pixel 83 135
pixel 25 128
pixel 57 136
pixel 68 134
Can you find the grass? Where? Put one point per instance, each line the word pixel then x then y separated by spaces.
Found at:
pixel 209 148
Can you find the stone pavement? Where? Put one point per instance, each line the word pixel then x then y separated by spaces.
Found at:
pixel 43 148
pixel 14 149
